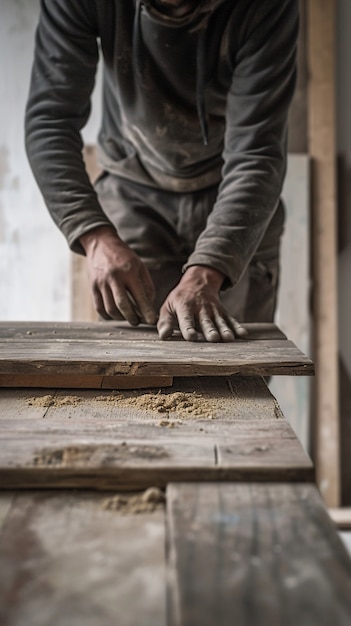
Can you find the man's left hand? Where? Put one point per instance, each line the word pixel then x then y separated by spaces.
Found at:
pixel 193 306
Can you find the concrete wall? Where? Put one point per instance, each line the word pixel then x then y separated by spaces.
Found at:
pixel 34 257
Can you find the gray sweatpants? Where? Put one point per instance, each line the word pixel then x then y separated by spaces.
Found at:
pixel 162 228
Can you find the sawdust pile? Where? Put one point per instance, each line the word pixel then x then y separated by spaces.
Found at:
pixel 48 401
pixel 183 404
pixel 177 404
pixel 153 499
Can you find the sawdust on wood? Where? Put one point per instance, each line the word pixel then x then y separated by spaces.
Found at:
pixel 178 403
pixel 97 455
pixel 151 500
pixel 165 404
pixel 48 401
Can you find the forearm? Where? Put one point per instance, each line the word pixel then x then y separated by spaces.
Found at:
pixel 255 141
pixel 58 107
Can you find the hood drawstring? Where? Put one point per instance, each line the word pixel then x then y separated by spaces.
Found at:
pixel 138 65
pixel 137 58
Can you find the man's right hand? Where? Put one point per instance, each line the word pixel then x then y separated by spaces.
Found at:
pixel 121 284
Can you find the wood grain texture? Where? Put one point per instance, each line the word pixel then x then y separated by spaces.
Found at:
pixel 104 440
pixel 105 330
pixel 254 555
pixel 66 560
pixel 321 16
pixel 71 381
pixel 125 353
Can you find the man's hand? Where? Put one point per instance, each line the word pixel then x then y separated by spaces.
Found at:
pixel 121 284
pixel 194 306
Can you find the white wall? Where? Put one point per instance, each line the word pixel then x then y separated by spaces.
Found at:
pixel 34 257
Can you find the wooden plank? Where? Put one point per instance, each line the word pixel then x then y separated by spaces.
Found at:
pixel 66 559
pixel 201 429
pixel 124 353
pixel 234 398
pixel 103 358
pixel 254 555
pixel 294 304
pixel 21 331
pixel 70 381
pixel 321 92
pixel 273 444
pixel 105 460
pixel 341 517
pixel 82 307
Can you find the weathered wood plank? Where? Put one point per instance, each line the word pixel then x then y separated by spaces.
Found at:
pixel 10 331
pixel 106 462
pixel 234 398
pixel 70 381
pixel 341 517
pixel 254 555
pixel 152 357
pixel 65 559
pixel 101 460
pixel 201 429
pixel 321 20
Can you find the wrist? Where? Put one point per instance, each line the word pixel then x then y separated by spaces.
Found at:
pixel 102 234
pixel 205 275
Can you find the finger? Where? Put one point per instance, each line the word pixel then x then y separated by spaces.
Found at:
pixel 110 307
pixel 99 304
pixel 145 306
pixel 142 292
pixel 148 284
pixel 186 325
pixel 239 330
pixel 208 327
pixel 224 328
pixel 123 304
pixel 167 323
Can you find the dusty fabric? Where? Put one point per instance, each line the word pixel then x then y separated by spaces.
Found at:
pixel 187 103
pixel 162 227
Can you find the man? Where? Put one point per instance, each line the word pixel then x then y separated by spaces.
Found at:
pixel 185 222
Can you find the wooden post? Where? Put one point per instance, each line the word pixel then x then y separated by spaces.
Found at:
pixel 321 137
pixel 82 307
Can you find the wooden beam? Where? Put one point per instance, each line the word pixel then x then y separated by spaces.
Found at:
pixel 41 352
pixel 254 554
pixel 82 307
pixel 341 517
pixel 69 559
pixel 321 122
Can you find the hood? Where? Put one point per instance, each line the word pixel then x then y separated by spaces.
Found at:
pixel 201 8
pixel 197 20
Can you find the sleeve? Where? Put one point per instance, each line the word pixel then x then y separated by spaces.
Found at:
pixel 255 141
pixel 63 76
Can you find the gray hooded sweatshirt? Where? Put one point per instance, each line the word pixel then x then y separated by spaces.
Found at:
pixel 188 102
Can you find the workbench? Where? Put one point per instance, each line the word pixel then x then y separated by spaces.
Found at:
pixel 158 483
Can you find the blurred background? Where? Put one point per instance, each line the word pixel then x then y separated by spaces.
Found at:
pixel 39 279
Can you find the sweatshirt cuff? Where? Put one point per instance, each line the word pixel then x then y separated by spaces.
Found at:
pixel 231 276
pixel 76 232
